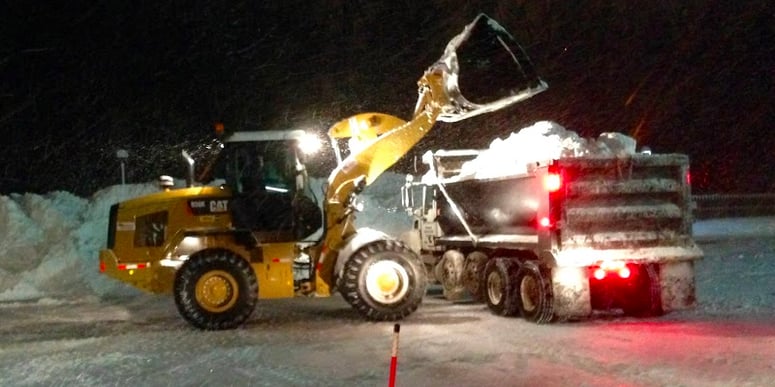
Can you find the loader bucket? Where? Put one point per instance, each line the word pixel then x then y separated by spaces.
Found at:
pixel 485 69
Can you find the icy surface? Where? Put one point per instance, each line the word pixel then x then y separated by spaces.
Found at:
pixel 61 323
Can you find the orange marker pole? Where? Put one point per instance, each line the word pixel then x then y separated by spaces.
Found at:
pixel 394 356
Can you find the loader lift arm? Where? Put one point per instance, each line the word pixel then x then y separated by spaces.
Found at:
pixel 383 139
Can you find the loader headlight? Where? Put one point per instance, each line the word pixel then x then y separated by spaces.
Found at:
pixel 310 144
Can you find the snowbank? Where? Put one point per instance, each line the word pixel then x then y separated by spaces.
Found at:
pixel 49 244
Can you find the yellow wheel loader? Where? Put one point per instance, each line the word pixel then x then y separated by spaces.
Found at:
pixel 218 248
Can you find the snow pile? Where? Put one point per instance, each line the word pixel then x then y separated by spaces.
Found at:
pixel 49 244
pixel 541 142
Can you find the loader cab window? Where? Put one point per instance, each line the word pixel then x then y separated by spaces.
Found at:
pixel 262 179
pixel 258 167
pixel 266 199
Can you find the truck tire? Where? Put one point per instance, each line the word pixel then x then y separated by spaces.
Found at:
pixel 384 281
pixel 500 282
pixel 449 271
pixel 215 289
pixel 535 299
pixel 646 301
pixel 473 275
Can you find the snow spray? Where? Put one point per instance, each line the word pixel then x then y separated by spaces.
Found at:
pixel 394 356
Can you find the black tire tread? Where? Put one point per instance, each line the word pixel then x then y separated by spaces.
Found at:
pixel 352 284
pixel 199 264
pixel 507 269
pixel 647 302
pixel 544 312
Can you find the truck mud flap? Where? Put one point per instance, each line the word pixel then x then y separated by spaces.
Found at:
pixel 676 280
pixel 571 293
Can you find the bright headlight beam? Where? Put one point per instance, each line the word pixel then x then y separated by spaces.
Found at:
pixel 310 144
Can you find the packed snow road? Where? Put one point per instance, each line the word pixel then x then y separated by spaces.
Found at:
pixel 728 340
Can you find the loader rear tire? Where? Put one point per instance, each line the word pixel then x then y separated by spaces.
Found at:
pixel 536 302
pixel 384 281
pixel 500 286
pixel 215 290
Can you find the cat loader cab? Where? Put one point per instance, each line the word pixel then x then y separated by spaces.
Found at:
pixel 265 172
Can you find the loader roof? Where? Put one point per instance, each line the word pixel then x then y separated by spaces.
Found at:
pixel 265 135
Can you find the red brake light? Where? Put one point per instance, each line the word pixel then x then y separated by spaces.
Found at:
pixel 552 182
pixel 614 268
pixel 545 222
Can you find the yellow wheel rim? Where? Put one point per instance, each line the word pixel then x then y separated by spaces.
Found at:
pixel 387 282
pixel 217 291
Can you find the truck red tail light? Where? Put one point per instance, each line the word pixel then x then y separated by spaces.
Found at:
pixel 618 269
pixel 553 182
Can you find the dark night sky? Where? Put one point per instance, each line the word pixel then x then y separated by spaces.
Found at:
pixel 81 79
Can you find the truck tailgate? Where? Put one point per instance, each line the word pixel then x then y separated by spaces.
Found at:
pixel 639 201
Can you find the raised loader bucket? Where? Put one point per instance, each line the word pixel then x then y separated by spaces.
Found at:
pixel 485 70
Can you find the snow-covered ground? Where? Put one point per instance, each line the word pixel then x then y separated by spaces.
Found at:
pixel 62 323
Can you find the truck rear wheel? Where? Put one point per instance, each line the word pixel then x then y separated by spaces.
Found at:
pixel 215 289
pixel 473 275
pixel 384 281
pixel 535 294
pixel 500 283
pixel 646 300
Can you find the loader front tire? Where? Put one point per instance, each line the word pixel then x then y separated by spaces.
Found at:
pixel 215 290
pixel 384 281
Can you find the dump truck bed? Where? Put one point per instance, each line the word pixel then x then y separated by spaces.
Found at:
pixel 602 203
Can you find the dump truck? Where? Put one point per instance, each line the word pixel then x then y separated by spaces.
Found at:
pixel 256 231
pixel 562 239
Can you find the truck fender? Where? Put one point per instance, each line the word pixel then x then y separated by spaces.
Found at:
pixel 547 259
pixel 362 237
pixel 412 240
